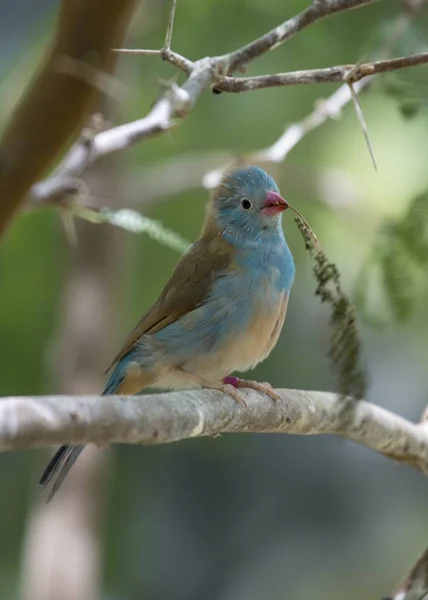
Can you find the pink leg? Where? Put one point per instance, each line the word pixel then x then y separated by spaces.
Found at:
pixel 264 388
pixel 216 385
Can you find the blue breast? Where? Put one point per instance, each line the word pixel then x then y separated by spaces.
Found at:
pixel 268 259
pixel 264 273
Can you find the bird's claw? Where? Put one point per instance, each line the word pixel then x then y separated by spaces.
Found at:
pixel 231 391
pixel 264 388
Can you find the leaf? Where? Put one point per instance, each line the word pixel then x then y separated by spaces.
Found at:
pixel 414 229
pixel 398 277
pixel 400 254
pixel 345 342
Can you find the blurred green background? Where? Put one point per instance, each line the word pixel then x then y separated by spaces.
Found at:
pixel 242 517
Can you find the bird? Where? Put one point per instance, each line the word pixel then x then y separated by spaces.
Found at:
pixel 221 311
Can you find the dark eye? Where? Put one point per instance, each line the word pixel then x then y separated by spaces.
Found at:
pixel 246 204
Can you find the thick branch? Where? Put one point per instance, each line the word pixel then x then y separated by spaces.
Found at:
pixel 162 418
pixel 57 102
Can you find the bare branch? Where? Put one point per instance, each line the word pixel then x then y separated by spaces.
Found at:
pixel 352 74
pixel 155 419
pixel 236 60
pixel 319 9
pixel 324 109
pixel 66 178
pixel 178 101
pixel 292 135
pixel 179 61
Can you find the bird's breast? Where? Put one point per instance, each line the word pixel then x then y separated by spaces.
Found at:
pixel 255 342
pixel 250 339
pixel 257 304
pixel 239 324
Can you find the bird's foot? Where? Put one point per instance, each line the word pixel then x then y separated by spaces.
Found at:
pixel 264 388
pixel 228 389
pixel 225 386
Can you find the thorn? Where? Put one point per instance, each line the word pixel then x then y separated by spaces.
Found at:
pixel 168 36
pixel 137 51
pixel 362 121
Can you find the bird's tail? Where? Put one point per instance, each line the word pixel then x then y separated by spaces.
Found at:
pixel 65 457
pixel 58 468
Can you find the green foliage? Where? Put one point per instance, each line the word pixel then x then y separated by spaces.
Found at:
pixel 414 229
pixel 400 254
pixel 345 343
pixel 409 89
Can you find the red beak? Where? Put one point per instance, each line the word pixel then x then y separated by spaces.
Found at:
pixel 274 204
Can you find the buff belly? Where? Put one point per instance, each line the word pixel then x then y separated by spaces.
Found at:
pixel 240 353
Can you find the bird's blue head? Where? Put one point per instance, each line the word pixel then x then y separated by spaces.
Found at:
pixel 248 205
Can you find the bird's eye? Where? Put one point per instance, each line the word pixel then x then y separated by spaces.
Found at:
pixel 246 204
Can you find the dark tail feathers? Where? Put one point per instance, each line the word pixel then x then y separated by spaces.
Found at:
pixel 58 468
pixel 65 457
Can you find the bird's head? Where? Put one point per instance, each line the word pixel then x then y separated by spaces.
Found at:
pixel 247 204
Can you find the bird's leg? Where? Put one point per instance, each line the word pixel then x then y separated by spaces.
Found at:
pixel 223 386
pixel 264 388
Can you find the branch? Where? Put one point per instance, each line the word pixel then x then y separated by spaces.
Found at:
pixel 177 101
pixel 57 102
pixel 341 73
pixel 324 109
pixel 319 9
pixel 80 348
pixel 293 134
pixel 213 72
pixel 154 419
pixel 415 587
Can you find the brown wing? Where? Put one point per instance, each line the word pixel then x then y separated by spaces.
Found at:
pixel 186 289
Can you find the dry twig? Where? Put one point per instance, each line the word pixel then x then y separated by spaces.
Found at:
pixel 208 72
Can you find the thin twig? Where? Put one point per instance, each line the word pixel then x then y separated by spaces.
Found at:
pixel 213 71
pixel 293 134
pixel 178 101
pixel 324 109
pixel 339 73
pixel 319 9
